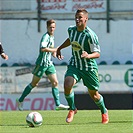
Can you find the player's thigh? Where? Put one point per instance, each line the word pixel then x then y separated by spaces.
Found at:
pixel 51 74
pixel 35 80
pixel 53 79
pixel 71 77
pixel 69 82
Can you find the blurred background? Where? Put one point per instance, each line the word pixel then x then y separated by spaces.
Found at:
pixel 22 24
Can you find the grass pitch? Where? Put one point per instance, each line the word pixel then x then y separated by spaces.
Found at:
pixel 85 121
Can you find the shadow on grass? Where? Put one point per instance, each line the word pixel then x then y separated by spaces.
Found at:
pixel 130 121
pixel 90 123
pixel 2 125
pixel 64 124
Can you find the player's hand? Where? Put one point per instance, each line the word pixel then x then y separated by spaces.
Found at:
pixel 58 54
pixel 84 54
pixel 54 54
pixel 4 56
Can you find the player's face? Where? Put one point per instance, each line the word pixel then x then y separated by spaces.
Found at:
pixel 81 19
pixel 51 29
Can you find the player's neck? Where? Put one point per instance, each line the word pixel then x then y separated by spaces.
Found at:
pixel 81 28
pixel 51 34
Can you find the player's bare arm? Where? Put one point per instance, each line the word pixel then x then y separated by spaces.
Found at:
pixel 90 56
pixel 48 49
pixel 64 45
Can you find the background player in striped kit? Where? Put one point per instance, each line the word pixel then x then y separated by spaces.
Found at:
pixel 45 65
pixel 82 65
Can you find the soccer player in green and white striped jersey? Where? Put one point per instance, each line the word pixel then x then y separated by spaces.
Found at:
pixel 83 41
pixel 82 65
pixel 45 65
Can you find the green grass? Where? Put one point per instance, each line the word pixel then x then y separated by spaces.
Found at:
pixel 85 121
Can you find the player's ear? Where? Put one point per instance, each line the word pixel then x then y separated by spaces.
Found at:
pixel 86 19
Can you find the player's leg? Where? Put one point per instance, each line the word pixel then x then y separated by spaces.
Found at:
pixel 36 77
pixel 99 101
pixel 26 91
pixel 29 87
pixel 51 74
pixel 55 91
pixel 69 95
pixel 90 80
pixel 71 77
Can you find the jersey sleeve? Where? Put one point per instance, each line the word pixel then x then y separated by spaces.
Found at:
pixel 44 41
pixel 70 31
pixel 94 43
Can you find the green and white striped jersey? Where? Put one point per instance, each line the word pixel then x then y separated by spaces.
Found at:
pixel 87 41
pixel 44 58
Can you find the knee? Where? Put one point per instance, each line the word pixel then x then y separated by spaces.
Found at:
pixel 67 88
pixel 55 83
pixel 67 85
pixel 33 84
pixel 95 96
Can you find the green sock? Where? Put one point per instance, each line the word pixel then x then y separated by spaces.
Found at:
pixel 26 91
pixel 70 100
pixel 55 93
pixel 101 105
